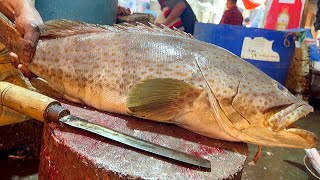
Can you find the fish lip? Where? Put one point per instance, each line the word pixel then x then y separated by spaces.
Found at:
pixel 291 113
pixel 311 139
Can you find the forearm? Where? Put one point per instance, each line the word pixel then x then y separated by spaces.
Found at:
pixel 175 13
pixel 12 8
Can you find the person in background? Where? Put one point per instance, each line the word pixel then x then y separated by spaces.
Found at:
pixel 247 22
pixel 27 20
pixel 147 10
pixel 257 20
pixel 232 15
pixel 317 21
pixel 178 9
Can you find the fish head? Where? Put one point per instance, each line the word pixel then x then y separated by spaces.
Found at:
pixel 249 105
pixel 268 112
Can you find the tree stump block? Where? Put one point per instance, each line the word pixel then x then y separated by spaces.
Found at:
pixel 69 153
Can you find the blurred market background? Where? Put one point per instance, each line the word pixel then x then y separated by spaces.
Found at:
pixel 287 24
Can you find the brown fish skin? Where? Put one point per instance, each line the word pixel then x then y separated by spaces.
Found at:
pixel 232 100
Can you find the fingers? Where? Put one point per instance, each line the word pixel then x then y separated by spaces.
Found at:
pixel 31 37
pixel 16 63
pixel 14 59
pixel 27 23
pixel 25 71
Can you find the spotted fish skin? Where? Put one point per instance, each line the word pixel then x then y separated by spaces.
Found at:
pixel 232 99
pixel 110 63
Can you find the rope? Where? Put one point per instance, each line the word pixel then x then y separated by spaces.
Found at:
pixel 286 41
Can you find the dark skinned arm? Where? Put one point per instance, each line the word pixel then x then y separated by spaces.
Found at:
pixel 175 12
pixel 27 20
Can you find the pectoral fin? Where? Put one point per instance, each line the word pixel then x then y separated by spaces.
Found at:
pixel 161 99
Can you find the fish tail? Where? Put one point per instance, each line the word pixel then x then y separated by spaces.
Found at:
pixel 10 37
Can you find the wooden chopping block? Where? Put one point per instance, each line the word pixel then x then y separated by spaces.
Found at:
pixel 69 153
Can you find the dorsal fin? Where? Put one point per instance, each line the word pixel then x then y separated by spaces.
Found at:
pixel 62 28
pixel 153 29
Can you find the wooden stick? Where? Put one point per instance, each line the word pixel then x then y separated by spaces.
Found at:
pixel 25 101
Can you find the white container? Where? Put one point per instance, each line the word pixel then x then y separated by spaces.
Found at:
pixel 311 172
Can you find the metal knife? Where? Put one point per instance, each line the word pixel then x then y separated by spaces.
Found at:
pixel 43 108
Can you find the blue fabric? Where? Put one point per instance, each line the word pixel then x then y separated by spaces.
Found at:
pixel 231 38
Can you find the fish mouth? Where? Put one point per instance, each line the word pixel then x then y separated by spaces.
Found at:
pixel 310 139
pixel 284 118
pixel 281 132
pixel 282 123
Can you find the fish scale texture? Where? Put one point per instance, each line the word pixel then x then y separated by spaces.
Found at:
pixel 109 62
pixel 101 68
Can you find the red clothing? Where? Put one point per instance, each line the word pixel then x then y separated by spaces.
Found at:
pixel 232 16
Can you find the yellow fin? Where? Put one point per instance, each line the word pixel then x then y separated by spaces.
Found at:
pixel 161 99
pixel 4 54
pixel 62 28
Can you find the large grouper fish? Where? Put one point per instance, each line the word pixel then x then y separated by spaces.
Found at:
pixel 167 76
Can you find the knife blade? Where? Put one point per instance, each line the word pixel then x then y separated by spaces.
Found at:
pixel 43 108
pixel 132 141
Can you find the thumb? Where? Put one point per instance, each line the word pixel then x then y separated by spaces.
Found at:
pixel 31 36
pixel 25 71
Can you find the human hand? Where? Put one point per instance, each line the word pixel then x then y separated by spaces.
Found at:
pixel 27 22
pixel 16 63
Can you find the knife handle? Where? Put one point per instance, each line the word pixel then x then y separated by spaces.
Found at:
pixel 33 104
